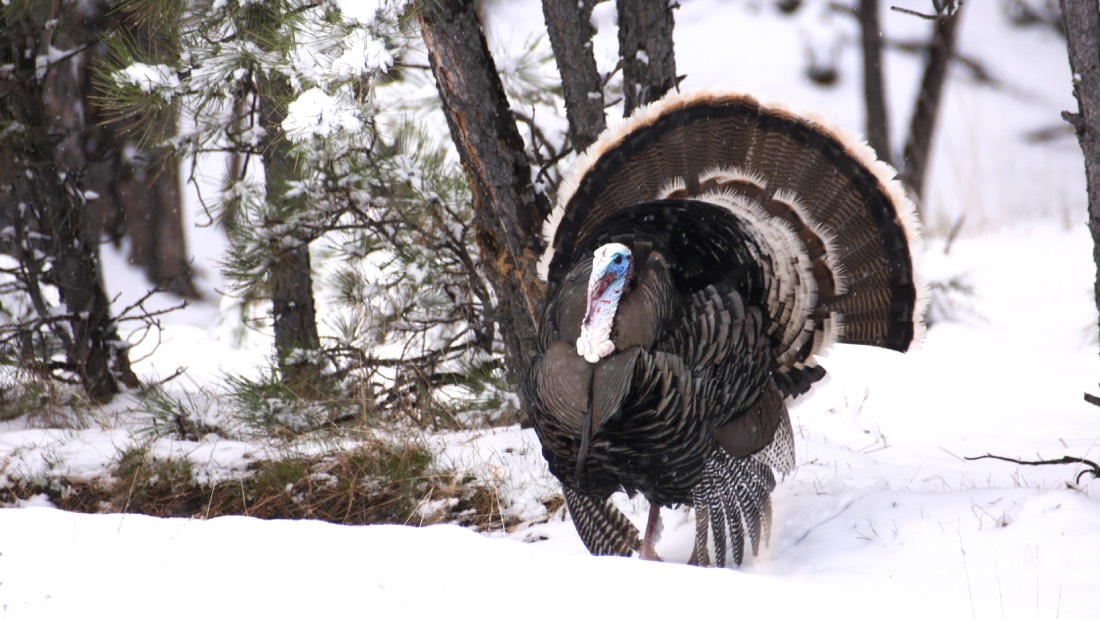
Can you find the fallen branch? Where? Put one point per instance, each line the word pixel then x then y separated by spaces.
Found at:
pixel 1091 399
pixel 1093 468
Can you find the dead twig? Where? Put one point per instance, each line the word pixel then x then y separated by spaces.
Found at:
pixel 943 10
pixel 1093 468
pixel 1091 399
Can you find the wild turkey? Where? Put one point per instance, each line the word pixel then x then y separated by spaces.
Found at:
pixel 700 257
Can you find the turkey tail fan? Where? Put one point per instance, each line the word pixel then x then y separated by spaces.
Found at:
pixel 733 503
pixel 834 226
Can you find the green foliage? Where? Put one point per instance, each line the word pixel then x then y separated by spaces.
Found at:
pixel 21 393
pixel 269 406
pixel 159 14
pixel 274 477
pixel 187 416
pixel 144 109
pixel 256 79
pixel 26 342
pixel 15 10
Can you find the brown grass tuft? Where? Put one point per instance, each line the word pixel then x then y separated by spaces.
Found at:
pixel 376 482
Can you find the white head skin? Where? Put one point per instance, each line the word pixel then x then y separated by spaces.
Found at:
pixel 612 268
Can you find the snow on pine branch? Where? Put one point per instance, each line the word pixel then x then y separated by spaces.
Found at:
pixel 317 114
pixel 365 11
pixel 151 79
pixel 363 54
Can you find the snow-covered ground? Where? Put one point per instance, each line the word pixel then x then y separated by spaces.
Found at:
pixel 883 516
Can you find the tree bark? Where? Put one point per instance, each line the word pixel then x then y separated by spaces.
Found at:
pixel 922 125
pixel 569 24
pixel 1081 19
pixel 507 211
pixel 878 122
pixel 150 201
pixel 646 51
pixel 141 201
pixel 140 196
pixel 41 175
pixel 291 275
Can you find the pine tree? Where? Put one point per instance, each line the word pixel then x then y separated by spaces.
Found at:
pixel 333 190
pixel 242 67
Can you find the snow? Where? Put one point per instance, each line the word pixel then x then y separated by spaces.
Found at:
pixel 883 516
pixel 317 114
pixel 378 571
pixel 152 79
pixel 364 54
pixel 362 11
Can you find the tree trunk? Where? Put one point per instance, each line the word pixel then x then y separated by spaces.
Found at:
pixel 508 213
pixel 878 123
pixel 147 205
pixel 143 204
pixel 923 123
pixel 41 176
pixel 140 195
pixel 96 353
pixel 569 24
pixel 291 274
pixel 1082 25
pixel 646 51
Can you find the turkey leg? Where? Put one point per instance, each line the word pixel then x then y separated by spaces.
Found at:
pixel 652 534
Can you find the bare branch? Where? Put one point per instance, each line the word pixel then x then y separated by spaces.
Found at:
pixel 1091 399
pixel 1093 468
pixel 914 13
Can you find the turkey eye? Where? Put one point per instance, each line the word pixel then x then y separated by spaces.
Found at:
pixel 618 260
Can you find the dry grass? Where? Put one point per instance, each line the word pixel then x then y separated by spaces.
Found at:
pixel 42 403
pixel 376 482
